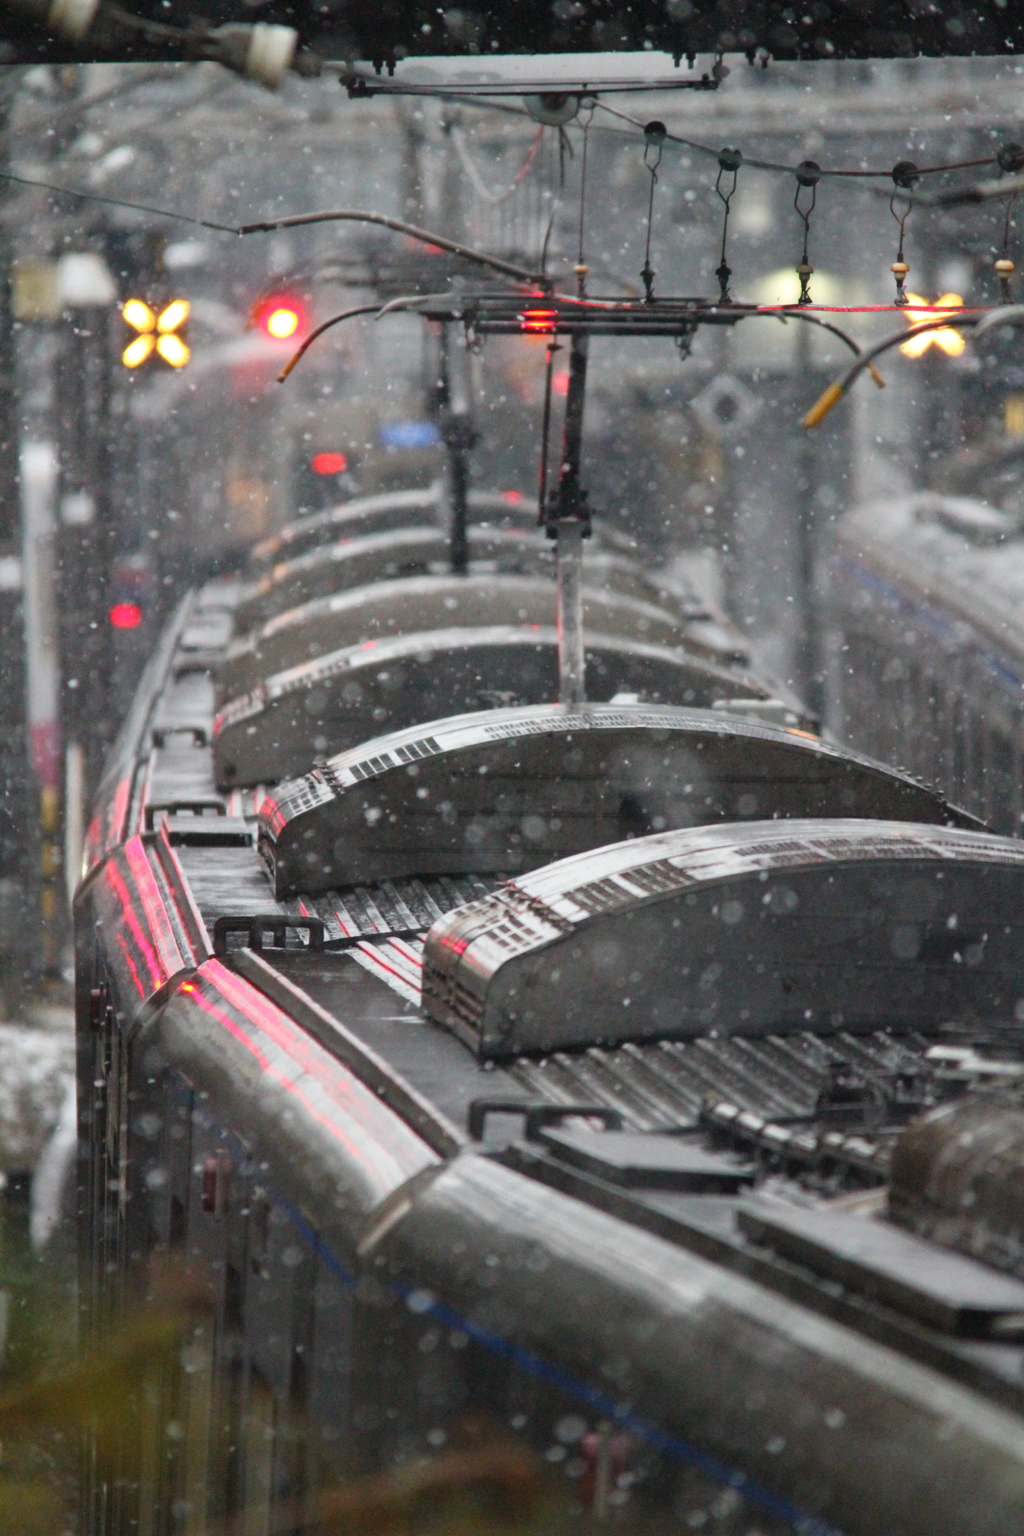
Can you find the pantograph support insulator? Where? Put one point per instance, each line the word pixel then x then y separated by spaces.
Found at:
pixel 567 521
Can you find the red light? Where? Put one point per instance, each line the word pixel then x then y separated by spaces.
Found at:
pixel 280 316
pixel 560 383
pixel 328 463
pixel 282 323
pixel 512 497
pixel 539 320
pixel 125 616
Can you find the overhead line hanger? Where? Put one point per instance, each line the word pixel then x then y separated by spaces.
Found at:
pixel 361 83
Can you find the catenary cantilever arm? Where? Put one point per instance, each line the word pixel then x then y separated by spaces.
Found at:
pixel 346 314
pixel 410 300
pixel 826 325
pixel 839 387
pixel 376 310
pixel 426 236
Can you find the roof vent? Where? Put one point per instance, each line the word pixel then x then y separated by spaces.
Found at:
pixel 388 608
pixel 507 790
pixel 745 930
pixel 335 701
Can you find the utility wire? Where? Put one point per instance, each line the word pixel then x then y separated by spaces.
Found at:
pixel 582 303
pixel 978 193
pixel 293 221
pixel 839 387
pixel 792 170
pixel 116 202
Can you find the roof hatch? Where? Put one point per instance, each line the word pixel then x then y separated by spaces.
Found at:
pixel 393 608
pixel 507 790
pixel 738 930
pixel 347 697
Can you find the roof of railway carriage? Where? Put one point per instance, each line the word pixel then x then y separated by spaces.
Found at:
pixel 749 928
pixel 418 551
pixel 964 557
pixel 276 730
pixel 413 603
pixel 382 512
pixel 507 790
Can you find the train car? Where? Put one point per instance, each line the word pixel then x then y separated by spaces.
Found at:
pixel 380 514
pixel 928 646
pixel 266 733
pixel 390 608
pixel 707 626
pixel 360 558
pixel 539 1118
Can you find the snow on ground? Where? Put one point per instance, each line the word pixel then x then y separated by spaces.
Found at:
pixel 37 1066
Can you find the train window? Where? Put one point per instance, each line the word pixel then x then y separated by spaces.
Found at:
pixel 975 777
pixel 257 1458
pixel 927 723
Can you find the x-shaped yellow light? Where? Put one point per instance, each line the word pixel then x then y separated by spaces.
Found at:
pixel 946 339
pixel 158 332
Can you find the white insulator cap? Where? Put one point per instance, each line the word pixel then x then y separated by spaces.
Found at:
pixel 270 53
pixel 71 19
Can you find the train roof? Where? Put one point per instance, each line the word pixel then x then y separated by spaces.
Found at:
pixel 336 701
pixel 377 514
pixel 505 791
pixel 731 929
pixel 296 1023
pixel 361 560
pixel 434 602
pixel 958 553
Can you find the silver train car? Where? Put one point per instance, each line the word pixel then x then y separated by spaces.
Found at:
pixel 380 514
pixel 927 643
pixel 546 1119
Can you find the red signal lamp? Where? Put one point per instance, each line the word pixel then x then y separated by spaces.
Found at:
pixel 538 322
pixel 125 616
pixel 328 463
pixel 280 316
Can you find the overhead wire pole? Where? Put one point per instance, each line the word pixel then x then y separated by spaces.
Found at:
pixel 16 819
pixel 44 600
pixel 459 436
pixel 567 515
pixel 808 639
pixel 87 542
pixel 454 392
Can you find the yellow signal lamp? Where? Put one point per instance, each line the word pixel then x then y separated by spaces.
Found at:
pixel 946 339
pixel 173 317
pixel 137 351
pixel 173 350
pixel 158 333
pixel 139 316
